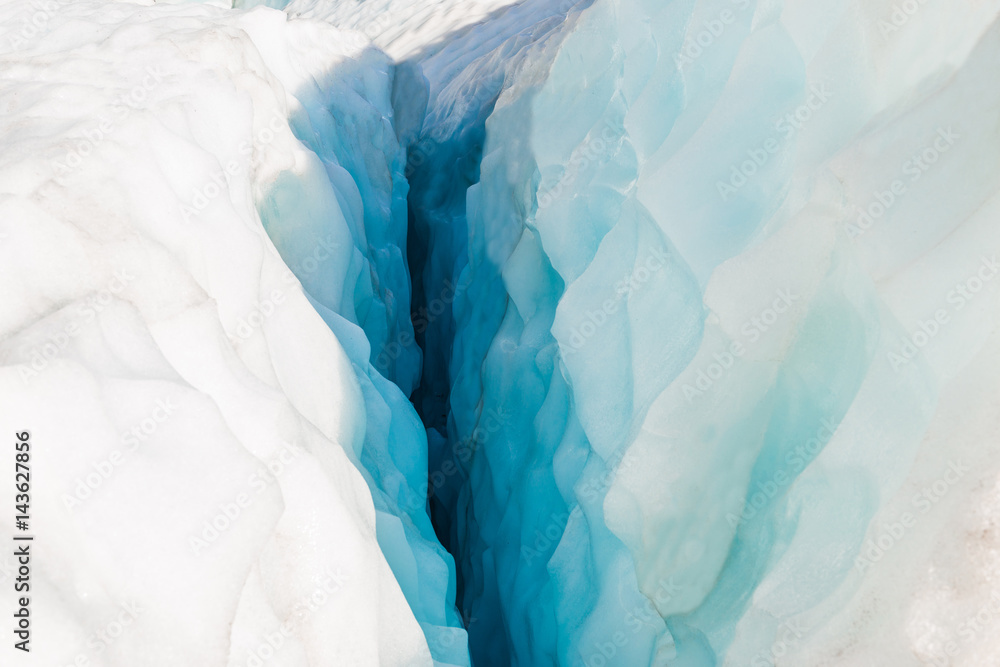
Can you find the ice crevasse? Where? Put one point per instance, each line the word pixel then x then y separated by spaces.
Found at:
pixel 204 221
pixel 715 330
pixel 692 298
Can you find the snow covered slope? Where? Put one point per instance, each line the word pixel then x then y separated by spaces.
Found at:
pixel 401 28
pixel 214 450
pixel 696 301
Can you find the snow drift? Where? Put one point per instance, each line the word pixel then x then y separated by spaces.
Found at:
pixel 695 303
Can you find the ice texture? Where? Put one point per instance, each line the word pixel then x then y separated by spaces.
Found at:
pixel 401 28
pixel 695 301
pixel 203 240
pixel 692 372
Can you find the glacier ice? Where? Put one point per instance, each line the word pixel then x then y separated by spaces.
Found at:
pixel 267 475
pixel 662 373
pixel 550 332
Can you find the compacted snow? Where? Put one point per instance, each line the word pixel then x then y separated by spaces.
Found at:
pixel 213 444
pixel 683 315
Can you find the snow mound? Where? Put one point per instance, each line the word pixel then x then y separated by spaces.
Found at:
pixel 215 450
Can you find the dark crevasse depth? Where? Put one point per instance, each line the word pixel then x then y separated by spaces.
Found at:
pixel 442 102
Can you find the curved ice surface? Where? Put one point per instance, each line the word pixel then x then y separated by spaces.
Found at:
pixel 704 290
pixel 217 448
pixel 675 331
pixel 401 28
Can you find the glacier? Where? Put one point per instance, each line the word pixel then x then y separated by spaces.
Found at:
pixel 223 252
pixel 688 352
pixel 481 332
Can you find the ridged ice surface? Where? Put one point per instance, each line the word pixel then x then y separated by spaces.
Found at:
pixel 401 28
pixel 203 237
pixel 695 302
pixel 678 384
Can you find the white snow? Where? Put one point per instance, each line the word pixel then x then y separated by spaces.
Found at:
pixel 164 358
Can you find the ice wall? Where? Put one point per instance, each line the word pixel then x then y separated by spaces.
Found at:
pixel 204 216
pixel 462 81
pixel 680 367
pixel 704 289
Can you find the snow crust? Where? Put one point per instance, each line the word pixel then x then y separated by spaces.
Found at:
pixel 704 338
pixel 214 446
pixel 401 28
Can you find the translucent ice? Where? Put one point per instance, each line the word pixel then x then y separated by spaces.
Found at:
pixel 695 301
pixel 673 375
